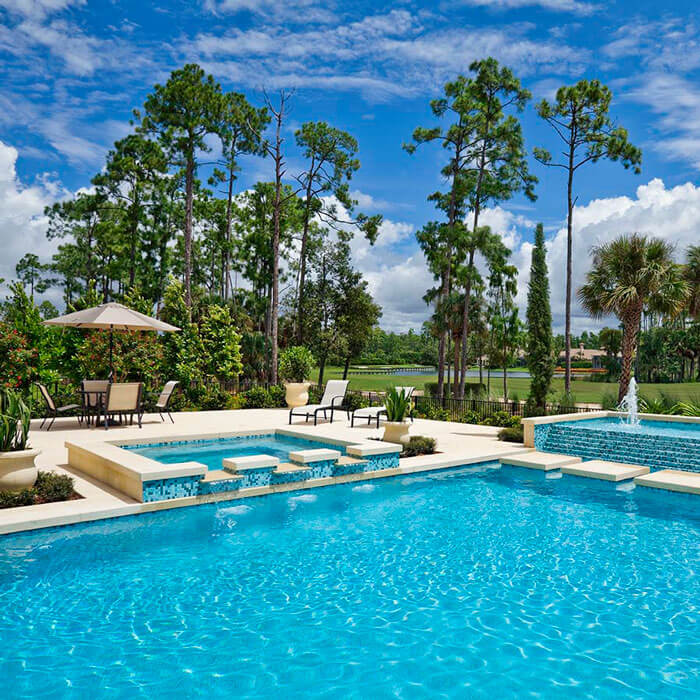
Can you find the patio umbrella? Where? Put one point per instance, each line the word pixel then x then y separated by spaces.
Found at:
pixel 111 317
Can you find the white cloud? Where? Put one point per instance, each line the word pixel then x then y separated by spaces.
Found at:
pixel 38 8
pixel 670 214
pixel 574 6
pixel 22 221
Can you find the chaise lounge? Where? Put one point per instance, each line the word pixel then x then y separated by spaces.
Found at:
pixel 332 400
pixel 376 412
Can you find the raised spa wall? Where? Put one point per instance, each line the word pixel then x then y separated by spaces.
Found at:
pixel 654 451
pixel 146 480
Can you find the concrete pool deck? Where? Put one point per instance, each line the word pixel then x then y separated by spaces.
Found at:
pixel 458 444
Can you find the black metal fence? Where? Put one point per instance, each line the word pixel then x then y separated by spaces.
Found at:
pixel 457 409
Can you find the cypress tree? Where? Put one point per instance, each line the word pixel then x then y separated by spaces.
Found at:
pixel 540 359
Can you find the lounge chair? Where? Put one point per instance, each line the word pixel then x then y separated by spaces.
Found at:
pixel 332 400
pixel 164 400
pixel 53 411
pixel 123 400
pixel 93 392
pixel 376 412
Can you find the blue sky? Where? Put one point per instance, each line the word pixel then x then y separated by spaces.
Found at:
pixel 72 73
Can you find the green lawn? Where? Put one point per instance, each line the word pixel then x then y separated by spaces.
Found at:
pixel 584 391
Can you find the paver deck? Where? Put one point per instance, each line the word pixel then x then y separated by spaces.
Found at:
pixel 671 480
pixel 544 461
pixel 607 471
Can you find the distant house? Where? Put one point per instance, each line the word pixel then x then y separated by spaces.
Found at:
pixel 582 354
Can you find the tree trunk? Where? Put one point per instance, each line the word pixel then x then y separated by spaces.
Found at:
pixel 347 367
pixel 189 186
pixel 569 245
pixel 227 254
pixel 321 369
pixel 302 258
pixel 630 323
pixel 457 346
pixel 465 317
pixel 276 247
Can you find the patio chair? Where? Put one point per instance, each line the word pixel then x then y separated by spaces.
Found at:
pixel 53 411
pixel 123 400
pixel 376 412
pixel 92 395
pixel 164 400
pixel 332 400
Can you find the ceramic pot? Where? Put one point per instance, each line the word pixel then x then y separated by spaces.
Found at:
pixel 396 432
pixel 17 470
pixel 297 394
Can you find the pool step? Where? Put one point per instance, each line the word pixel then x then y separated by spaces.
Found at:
pixel 543 461
pixel 607 471
pixel 671 480
pixel 214 475
pixel 237 465
pixel 290 468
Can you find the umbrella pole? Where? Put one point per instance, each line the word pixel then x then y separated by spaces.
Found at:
pixel 111 350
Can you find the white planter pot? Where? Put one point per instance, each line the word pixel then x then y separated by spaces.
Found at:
pixel 396 432
pixel 17 470
pixel 297 394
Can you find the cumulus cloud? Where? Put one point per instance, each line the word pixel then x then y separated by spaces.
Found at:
pixel 22 221
pixel 574 6
pixel 672 214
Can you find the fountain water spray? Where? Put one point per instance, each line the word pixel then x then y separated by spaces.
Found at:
pixel 630 405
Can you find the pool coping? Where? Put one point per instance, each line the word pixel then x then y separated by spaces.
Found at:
pixel 530 423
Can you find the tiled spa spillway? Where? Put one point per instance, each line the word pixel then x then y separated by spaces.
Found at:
pixel 656 444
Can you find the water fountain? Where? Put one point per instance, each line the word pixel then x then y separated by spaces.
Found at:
pixel 630 405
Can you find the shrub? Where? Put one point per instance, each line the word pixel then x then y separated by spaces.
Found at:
pixel 53 487
pixel 48 488
pixel 470 417
pixel 501 419
pixel 609 401
pixel 419 445
pixel 214 398
pixel 295 364
pixel 432 412
pixel 260 397
pixel 512 434
pixel 355 400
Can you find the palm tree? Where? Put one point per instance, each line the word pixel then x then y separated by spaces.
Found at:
pixel 632 274
pixel 692 275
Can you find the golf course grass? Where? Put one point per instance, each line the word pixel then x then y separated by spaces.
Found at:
pixel 583 391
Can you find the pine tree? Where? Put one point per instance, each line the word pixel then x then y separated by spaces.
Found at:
pixel 540 357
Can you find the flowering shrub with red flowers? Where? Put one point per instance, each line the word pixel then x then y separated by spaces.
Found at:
pixel 18 361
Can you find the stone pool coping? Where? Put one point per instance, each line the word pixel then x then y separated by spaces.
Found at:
pixel 128 471
pixel 530 423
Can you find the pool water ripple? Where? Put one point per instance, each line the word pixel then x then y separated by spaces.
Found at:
pixel 499 583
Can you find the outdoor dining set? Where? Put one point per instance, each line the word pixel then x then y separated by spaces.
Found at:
pixel 103 403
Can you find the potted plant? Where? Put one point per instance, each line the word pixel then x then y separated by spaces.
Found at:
pixel 17 469
pixel 398 408
pixel 295 368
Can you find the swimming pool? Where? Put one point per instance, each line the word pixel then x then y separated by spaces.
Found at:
pixel 212 452
pixel 482 582
pixel 647 427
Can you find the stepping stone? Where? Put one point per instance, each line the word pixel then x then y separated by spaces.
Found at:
pixel 289 468
pixel 672 480
pixel 544 461
pixel 249 463
pixel 607 471
pixel 310 456
pixel 345 460
pixel 214 475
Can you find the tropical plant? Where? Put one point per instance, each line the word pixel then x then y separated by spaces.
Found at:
pixel 687 408
pixel 692 275
pixel 629 275
pixel 296 364
pixel 397 404
pixel 14 422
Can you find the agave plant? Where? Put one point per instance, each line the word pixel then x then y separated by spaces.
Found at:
pixel 14 422
pixel 398 405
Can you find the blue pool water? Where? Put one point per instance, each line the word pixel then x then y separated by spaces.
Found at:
pixel 646 427
pixel 480 583
pixel 212 452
